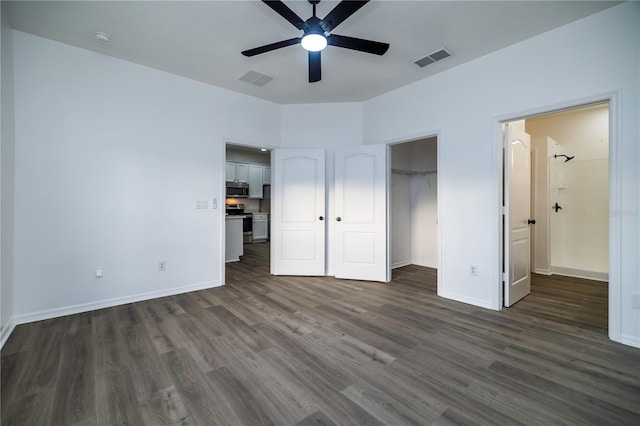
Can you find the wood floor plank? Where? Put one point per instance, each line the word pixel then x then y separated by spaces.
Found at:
pixel 44 362
pixel 281 398
pixel 166 408
pixel 116 401
pixel 33 409
pixel 148 372
pixel 193 389
pixel 74 395
pixel 318 350
pixel 108 342
pixel 232 392
pixel 317 418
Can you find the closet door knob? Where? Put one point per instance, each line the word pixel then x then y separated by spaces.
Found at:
pixel 338 218
pixel 321 218
pixel 531 221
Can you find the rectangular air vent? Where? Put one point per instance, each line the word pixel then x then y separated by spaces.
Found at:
pixel 256 78
pixel 432 57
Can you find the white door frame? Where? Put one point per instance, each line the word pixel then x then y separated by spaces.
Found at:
pixel 222 190
pixel 615 201
pixel 439 178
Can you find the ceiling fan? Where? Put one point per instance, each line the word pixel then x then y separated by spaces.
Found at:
pixel 316 34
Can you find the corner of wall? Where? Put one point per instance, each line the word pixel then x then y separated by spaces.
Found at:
pixel 7 157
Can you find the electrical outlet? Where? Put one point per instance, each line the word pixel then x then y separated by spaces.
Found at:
pixel 473 270
pixel 99 272
pixel 162 265
pixel 214 203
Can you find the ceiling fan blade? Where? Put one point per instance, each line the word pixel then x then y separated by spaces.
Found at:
pixel 272 46
pixel 368 46
pixel 284 11
pixel 342 11
pixel 315 70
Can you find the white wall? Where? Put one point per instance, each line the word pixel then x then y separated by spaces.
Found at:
pixel 590 57
pixel 7 152
pixel 329 126
pixel 578 243
pixel 110 159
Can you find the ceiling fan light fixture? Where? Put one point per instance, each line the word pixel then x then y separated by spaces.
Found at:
pixel 314 42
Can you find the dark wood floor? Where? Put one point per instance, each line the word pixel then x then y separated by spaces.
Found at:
pixel 292 350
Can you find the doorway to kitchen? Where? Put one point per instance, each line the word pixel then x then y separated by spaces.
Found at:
pixel 414 203
pixel 556 235
pixel 247 212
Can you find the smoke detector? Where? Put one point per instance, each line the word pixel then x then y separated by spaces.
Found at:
pixel 102 37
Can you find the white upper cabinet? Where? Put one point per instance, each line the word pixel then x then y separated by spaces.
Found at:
pixel 255 175
pixel 230 172
pixel 237 172
pixel 242 172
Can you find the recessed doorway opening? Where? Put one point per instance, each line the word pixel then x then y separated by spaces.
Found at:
pixel 247 212
pixel 556 198
pixel 414 203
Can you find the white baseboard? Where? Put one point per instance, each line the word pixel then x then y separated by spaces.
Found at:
pixel 400 264
pixel 6 332
pixel 468 300
pixel 542 271
pixel 630 340
pixel 108 303
pixel 579 273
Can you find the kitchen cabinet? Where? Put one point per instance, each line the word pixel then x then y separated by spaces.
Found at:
pixel 230 172
pixel 266 176
pixel 256 174
pixel 260 227
pixel 237 172
pixel 242 172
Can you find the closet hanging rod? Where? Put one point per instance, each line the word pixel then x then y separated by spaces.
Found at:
pixel 412 172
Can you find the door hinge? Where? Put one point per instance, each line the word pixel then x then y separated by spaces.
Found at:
pixel 504 277
pixel 504 210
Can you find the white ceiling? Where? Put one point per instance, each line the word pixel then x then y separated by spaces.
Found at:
pixel 202 40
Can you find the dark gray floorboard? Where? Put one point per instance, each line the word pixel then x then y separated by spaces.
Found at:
pixel 267 350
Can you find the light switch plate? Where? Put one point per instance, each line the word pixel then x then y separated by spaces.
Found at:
pixel 202 204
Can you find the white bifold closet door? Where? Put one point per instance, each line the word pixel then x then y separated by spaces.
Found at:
pixel 298 212
pixel 361 248
pixel 360 244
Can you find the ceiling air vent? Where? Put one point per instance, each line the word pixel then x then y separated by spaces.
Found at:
pixel 432 57
pixel 256 78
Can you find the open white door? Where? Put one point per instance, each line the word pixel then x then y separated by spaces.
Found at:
pixel 361 250
pixel 517 199
pixel 298 211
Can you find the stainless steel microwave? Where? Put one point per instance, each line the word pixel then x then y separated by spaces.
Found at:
pixel 237 190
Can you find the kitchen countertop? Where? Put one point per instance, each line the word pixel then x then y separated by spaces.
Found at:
pixel 235 216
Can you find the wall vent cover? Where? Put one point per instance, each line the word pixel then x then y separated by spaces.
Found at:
pixel 432 57
pixel 256 78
